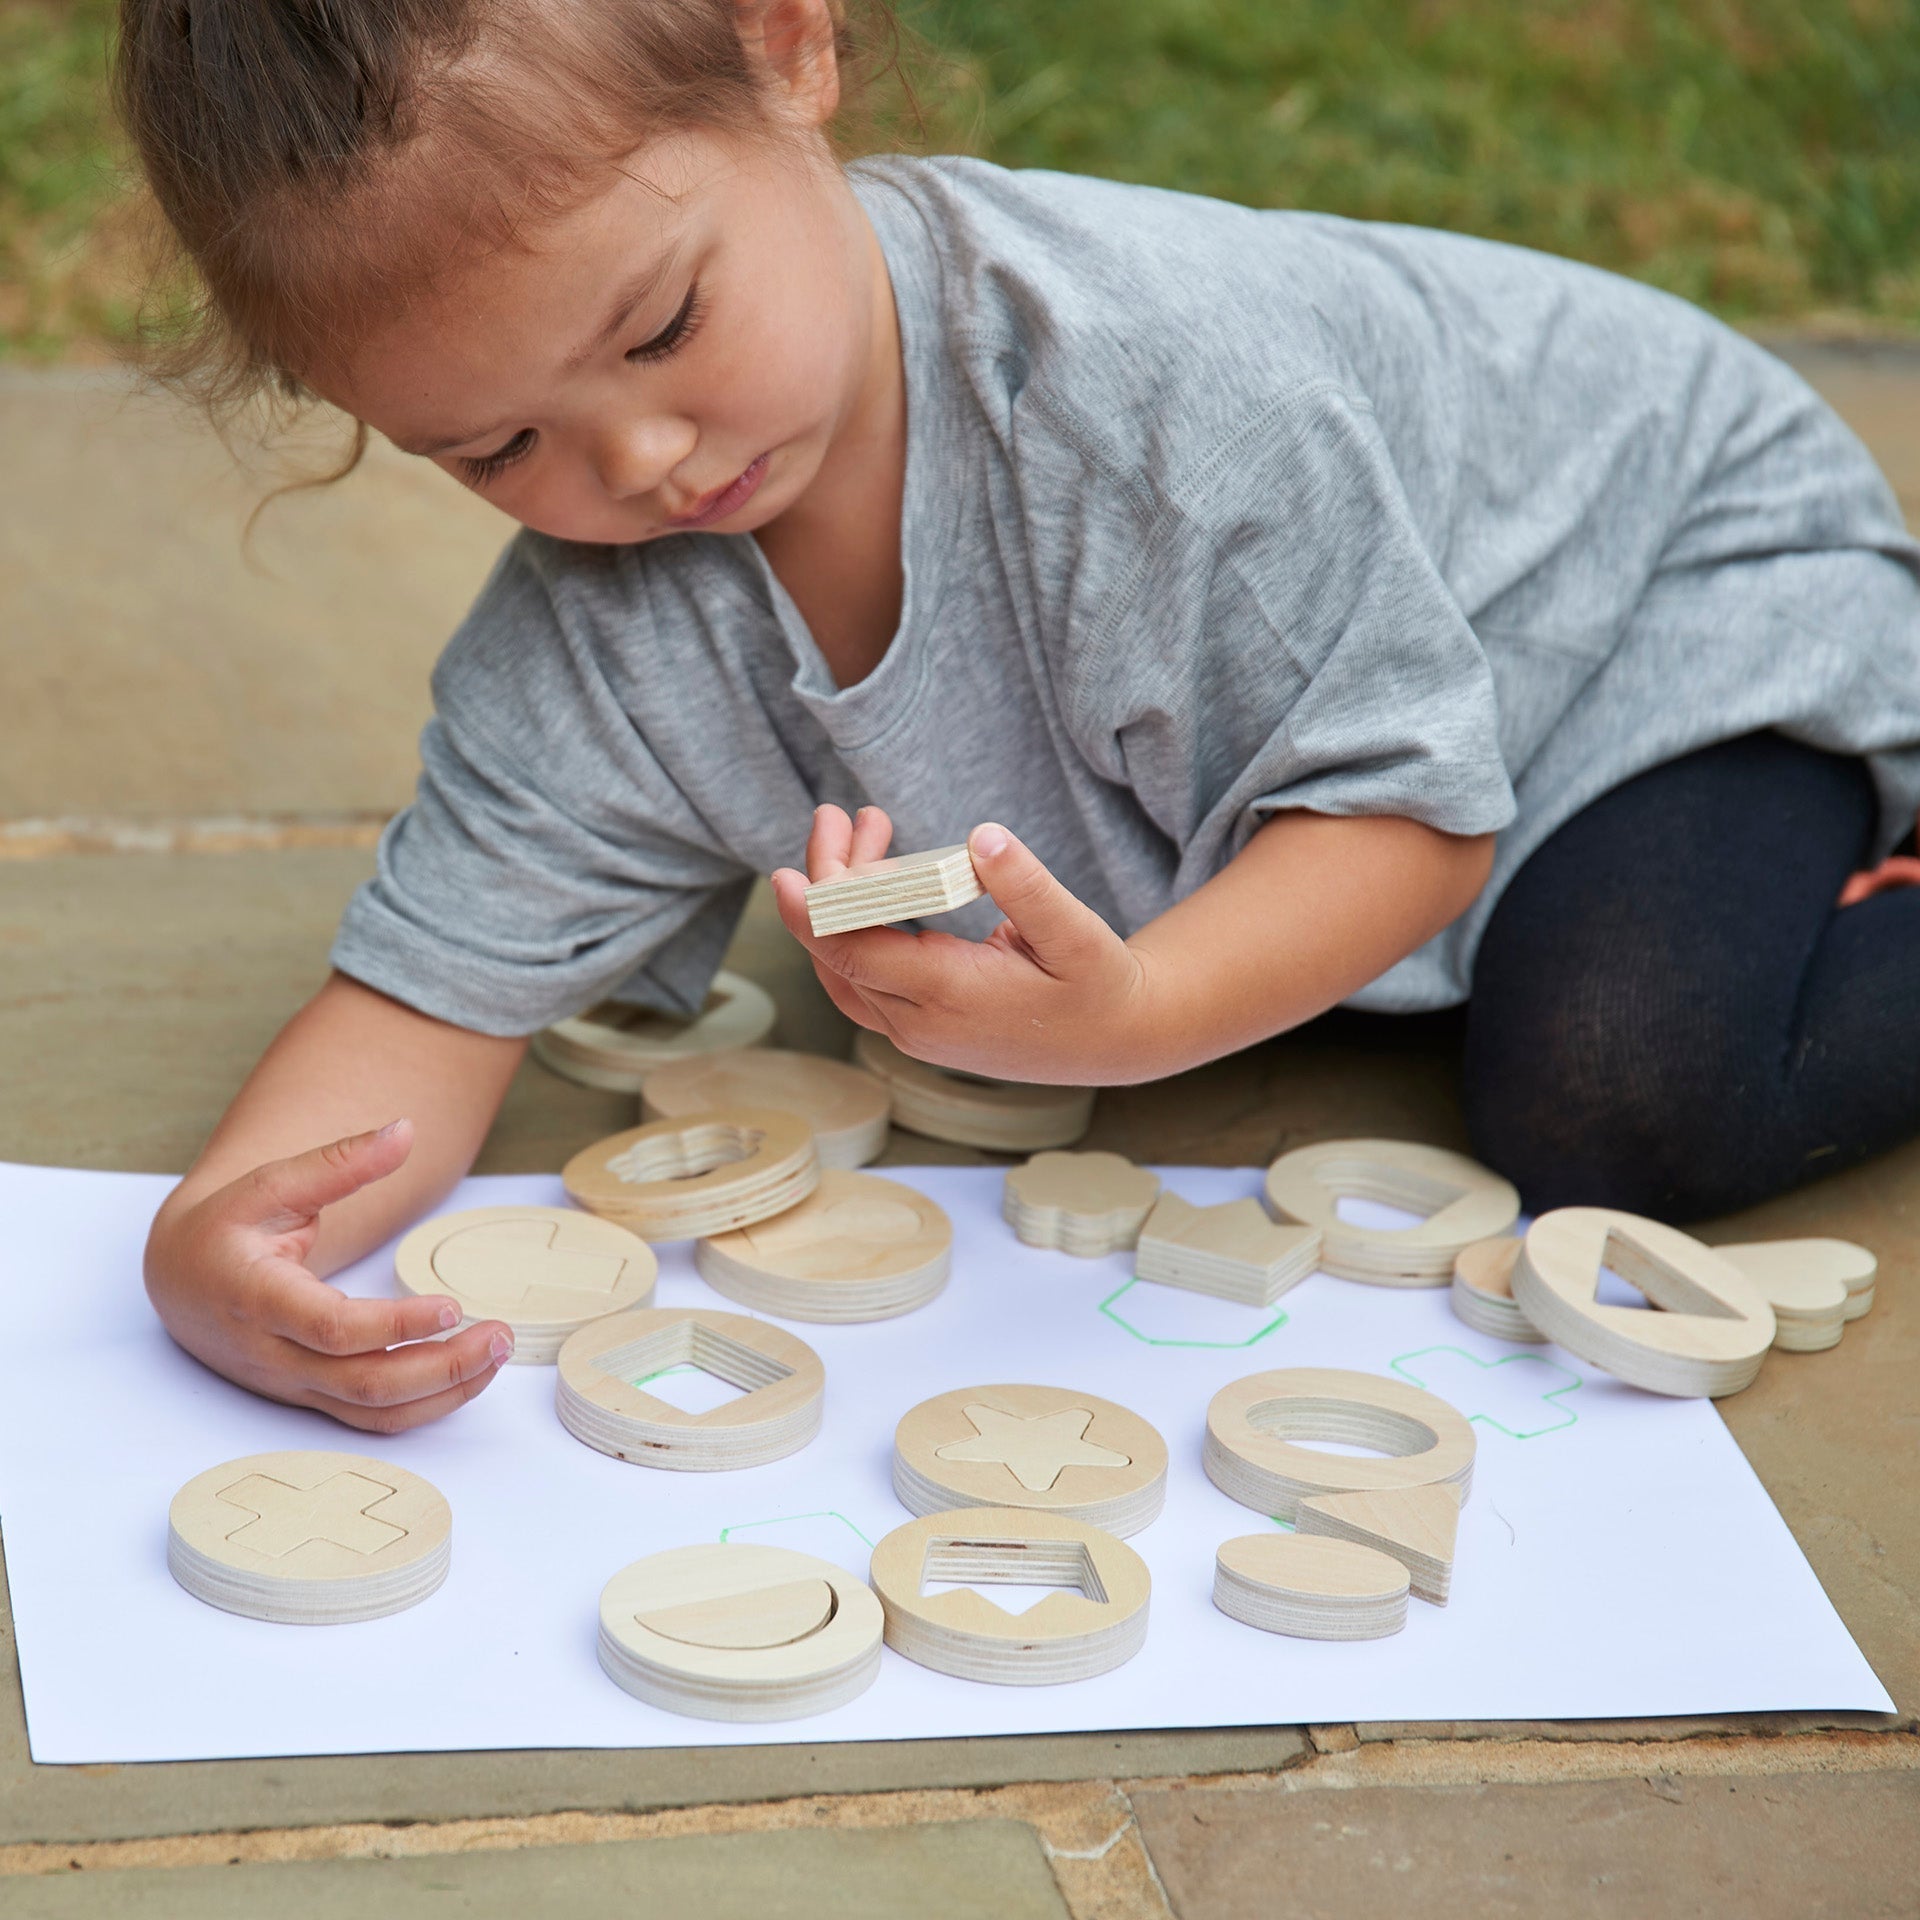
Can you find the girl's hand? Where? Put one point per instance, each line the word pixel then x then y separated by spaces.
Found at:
pixel 1052 995
pixel 228 1276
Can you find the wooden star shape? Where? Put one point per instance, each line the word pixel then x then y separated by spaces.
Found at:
pixel 1035 1451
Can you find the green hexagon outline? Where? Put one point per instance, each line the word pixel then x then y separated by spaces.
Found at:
pixel 1147 1340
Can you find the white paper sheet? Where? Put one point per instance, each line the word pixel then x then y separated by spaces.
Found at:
pixel 1618 1556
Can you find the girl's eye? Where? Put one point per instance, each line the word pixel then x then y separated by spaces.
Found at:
pixel 677 332
pixel 486 466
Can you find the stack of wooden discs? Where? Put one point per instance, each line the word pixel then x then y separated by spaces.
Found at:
pixel 739 1632
pixel 1098 1621
pixel 1049 1449
pixel 846 1107
pixel 312 1539
pixel 857 1248
pixel 1482 1296
pixel 614 1046
pixel 1310 1588
pixel 1082 1203
pixel 1001 1115
pixel 543 1270
pixel 700 1174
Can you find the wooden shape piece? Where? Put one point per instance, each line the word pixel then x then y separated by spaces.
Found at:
pixel 1254 1426
pixel 309 1538
pixel 1709 1340
pixel 1416 1525
pixel 859 1247
pixel 1235 1252
pixel 1798 1278
pixel 703 1173
pixel 614 1046
pixel 1002 1115
pixel 1310 1588
pixel 739 1632
pixel 1070 1635
pixel 1050 1449
pixel 908 886
pixel 600 1399
pixel 543 1270
pixel 845 1107
pixel 1482 1294
pixel 1463 1202
pixel 1083 1203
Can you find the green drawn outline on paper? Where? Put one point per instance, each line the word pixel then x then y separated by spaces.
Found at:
pixel 1146 1339
pixel 787 1520
pixel 1573 1380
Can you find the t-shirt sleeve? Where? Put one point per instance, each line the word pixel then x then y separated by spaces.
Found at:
pixel 548 860
pixel 1289 643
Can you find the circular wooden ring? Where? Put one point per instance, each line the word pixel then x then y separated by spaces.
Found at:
pixel 857 1248
pixel 739 1632
pixel 1004 1116
pixel 1463 1200
pixel 1069 1635
pixel 543 1270
pixel 1310 1587
pixel 782 1381
pixel 1482 1296
pixel 846 1108
pixel 614 1046
pixel 309 1538
pixel 1036 1448
pixel 1253 1426
pixel 1709 1341
pixel 702 1173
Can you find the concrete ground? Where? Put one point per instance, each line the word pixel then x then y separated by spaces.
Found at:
pixel 195 750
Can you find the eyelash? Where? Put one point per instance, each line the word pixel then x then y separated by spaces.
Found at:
pixel 481 469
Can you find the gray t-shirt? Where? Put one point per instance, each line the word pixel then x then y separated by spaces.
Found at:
pixel 1209 513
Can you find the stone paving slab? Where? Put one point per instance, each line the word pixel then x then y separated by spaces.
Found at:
pixel 1786 1847
pixel 977 1870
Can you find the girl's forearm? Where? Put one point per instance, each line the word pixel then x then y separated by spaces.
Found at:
pixel 1311 909
pixel 349 1061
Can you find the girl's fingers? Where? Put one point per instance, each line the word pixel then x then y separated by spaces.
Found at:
pixel 409 1374
pixel 326 1321
pixel 285 1194
pixel 872 836
pixel 410 1413
pixel 1061 932
pixel 829 844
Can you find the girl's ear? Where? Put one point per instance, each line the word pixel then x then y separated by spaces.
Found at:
pixel 793 42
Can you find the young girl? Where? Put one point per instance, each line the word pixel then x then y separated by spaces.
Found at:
pixel 1343 613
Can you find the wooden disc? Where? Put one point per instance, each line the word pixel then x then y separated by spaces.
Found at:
pixel 1482 1294
pixel 615 1046
pixel 1260 1432
pixel 1097 1622
pixel 1710 1338
pixel 739 1632
pixel 1309 1587
pixel 857 1248
pixel 777 1413
pixel 309 1538
pixel 1048 1449
pixel 1463 1202
pixel 1083 1203
pixel 845 1107
pixel 699 1174
pixel 543 1270
pixel 1003 1115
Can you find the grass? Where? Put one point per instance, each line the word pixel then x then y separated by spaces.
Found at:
pixel 1759 156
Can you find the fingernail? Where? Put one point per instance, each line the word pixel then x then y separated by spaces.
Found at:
pixel 392 1127
pixel 501 1348
pixel 990 840
pixel 449 1317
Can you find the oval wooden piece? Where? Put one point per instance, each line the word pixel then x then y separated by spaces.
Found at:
pixel 845 1107
pixel 1082 1203
pixel 1710 1332
pixel 699 1174
pixel 1003 1115
pixel 1310 1587
pixel 1463 1202
pixel 1258 1429
pixel 614 1046
pixel 543 1270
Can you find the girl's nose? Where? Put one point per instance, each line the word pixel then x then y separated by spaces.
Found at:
pixel 636 456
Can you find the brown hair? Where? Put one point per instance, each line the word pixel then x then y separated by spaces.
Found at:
pixel 318 162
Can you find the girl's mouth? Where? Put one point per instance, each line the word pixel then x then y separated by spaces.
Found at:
pixel 730 499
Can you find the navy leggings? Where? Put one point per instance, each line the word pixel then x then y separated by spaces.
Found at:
pixel 1670 1015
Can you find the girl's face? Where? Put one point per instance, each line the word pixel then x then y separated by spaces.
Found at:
pixel 685 350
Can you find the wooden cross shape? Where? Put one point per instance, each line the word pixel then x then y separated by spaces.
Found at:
pixel 285 1518
pixel 1035 1451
